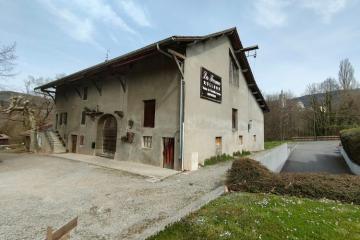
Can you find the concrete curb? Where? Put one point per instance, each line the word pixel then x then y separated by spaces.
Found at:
pixel 273 159
pixel 196 205
pixel 354 168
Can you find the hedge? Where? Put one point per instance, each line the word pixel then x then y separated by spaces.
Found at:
pixel 350 139
pixel 250 176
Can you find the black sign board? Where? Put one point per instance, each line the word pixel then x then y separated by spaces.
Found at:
pixel 210 86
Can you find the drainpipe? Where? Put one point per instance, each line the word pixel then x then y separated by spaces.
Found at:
pixel 181 120
pixel 181 110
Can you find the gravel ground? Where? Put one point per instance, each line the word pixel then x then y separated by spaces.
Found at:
pixel 39 191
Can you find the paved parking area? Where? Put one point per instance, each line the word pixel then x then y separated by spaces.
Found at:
pixel 319 156
pixel 37 191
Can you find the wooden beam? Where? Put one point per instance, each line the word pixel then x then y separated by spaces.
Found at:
pixel 58 234
pixel 97 86
pixel 180 66
pixel 77 91
pixel 177 54
pixel 123 83
pixel 255 47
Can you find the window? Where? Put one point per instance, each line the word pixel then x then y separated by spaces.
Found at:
pixel 85 93
pixel 233 70
pixel 82 140
pixel 61 119
pixel 241 140
pixel 56 121
pixel 254 137
pixel 65 118
pixel 234 119
pixel 149 113
pixel 83 118
pixel 147 141
pixel 218 145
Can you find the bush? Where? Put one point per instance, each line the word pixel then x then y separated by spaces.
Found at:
pixel 350 139
pixel 250 176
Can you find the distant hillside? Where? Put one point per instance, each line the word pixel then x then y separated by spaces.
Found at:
pixel 336 95
pixel 6 95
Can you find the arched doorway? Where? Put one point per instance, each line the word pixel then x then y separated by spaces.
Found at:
pixel 107 134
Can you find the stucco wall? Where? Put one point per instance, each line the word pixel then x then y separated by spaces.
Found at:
pixel 205 120
pixel 156 78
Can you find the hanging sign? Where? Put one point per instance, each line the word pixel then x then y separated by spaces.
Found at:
pixel 210 86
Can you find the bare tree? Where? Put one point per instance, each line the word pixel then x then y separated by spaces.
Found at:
pixel 346 75
pixel 7 60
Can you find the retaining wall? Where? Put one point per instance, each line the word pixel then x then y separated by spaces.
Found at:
pixel 274 159
pixel 354 168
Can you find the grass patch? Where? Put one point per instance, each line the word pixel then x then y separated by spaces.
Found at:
pixel 225 157
pixel 262 216
pixel 250 176
pixel 217 159
pixel 272 144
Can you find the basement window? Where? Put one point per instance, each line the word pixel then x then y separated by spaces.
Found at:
pixel 65 118
pixel 147 141
pixel 83 118
pixel 61 119
pixel 85 93
pixel 233 70
pixel 218 146
pixel 149 113
pixel 234 119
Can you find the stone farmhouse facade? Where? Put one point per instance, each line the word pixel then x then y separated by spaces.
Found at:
pixel 171 104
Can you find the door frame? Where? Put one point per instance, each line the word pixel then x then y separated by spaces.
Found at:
pixel 169 146
pixel 74 143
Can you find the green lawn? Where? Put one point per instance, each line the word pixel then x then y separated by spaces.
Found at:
pixel 260 216
pixel 272 144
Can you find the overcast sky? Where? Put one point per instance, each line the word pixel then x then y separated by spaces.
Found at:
pixel 301 41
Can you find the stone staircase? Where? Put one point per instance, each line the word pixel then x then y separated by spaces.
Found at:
pixel 56 141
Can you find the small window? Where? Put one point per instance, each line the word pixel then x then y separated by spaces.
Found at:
pixel 218 145
pixel 254 137
pixel 61 119
pixel 147 141
pixel 83 118
pixel 82 139
pixel 65 118
pixel 149 113
pixel 56 121
pixel 85 93
pixel 241 140
pixel 234 119
pixel 233 70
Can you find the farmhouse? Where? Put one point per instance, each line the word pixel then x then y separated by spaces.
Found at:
pixel 171 104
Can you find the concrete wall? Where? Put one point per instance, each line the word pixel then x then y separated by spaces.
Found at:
pixel 205 120
pixel 274 159
pixel 156 78
pixel 354 168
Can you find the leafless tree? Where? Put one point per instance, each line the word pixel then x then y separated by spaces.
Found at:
pixel 7 60
pixel 346 75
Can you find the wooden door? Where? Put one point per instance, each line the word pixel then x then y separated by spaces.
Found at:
pixel 73 143
pixel 168 153
pixel 109 135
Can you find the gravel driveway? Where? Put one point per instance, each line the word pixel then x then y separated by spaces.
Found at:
pixel 320 156
pixel 39 191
